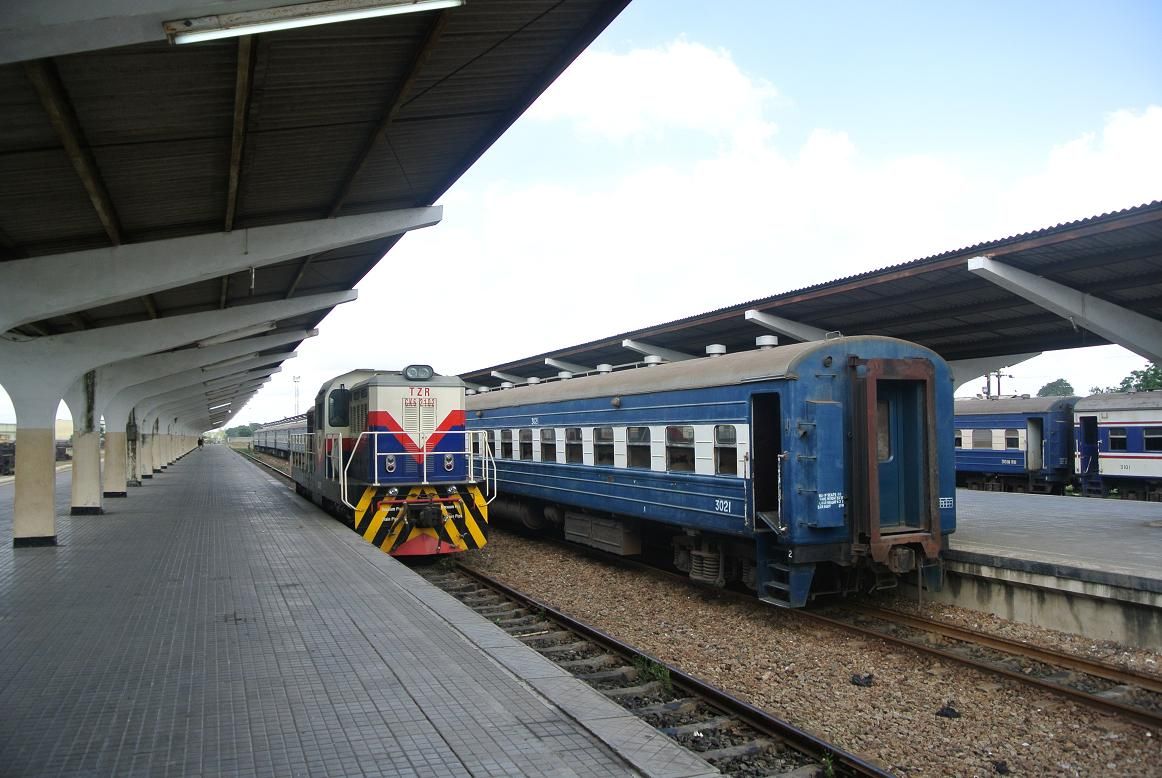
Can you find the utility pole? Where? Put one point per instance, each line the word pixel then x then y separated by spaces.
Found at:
pixel 988 386
pixel 296 381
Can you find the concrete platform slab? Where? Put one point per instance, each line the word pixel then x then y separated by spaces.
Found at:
pixel 213 623
pixel 1088 566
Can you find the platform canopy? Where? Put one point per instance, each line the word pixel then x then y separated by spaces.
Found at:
pixel 114 136
pixel 938 301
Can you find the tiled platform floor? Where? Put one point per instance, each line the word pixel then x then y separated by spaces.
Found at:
pixel 213 623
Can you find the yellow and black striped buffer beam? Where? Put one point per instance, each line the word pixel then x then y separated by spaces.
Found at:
pixel 419 522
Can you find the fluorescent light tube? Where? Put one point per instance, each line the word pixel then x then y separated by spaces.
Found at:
pixel 208 28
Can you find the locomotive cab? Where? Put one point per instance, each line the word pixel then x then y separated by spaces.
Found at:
pixel 387 452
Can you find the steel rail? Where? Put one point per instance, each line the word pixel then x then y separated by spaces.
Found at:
pixel 267 465
pixel 1141 716
pixel 1048 656
pixel 816 748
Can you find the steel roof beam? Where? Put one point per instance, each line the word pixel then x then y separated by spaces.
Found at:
pixel 375 138
pixel 651 350
pixel 569 367
pixel 46 286
pixel 1136 332
pixel 792 329
pixel 45 79
pixel 243 70
pixel 394 103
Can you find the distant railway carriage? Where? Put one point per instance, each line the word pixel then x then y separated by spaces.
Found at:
pixel 276 438
pixel 387 452
pixel 810 468
pixel 1015 444
pixel 7 458
pixel 1119 444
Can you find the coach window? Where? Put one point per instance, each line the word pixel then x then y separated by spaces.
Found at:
pixel 883 431
pixel 637 447
pixel 1117 438
pixel 491 442
pixel 725 453
pixel 1152 438
pixel 958 442
pixel 1012 439
pixel 982 438
pixel 506 444
pixel 680 449
pixel 526 444
pixel 548 445
pixel 573 451
pixel 603 446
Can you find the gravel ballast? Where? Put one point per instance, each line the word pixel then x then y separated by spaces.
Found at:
pixel 919 716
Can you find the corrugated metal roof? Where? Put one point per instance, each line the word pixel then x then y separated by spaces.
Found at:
pixel 934 301
pixel 1127 401
pixel 159 120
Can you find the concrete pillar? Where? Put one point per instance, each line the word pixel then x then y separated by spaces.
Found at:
pixel 116 462
pixel 123 384
pixel 34 514
pixel 146 413
pixel 37 373
pixel 86 481
pixel 86 474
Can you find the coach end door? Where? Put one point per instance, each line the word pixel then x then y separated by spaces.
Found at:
pixel 894 466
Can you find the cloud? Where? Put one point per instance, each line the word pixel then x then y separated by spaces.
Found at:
pixel 647 92
pixel 1117 166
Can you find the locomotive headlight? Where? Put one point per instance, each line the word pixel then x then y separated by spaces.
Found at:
pixel 451 490
pixel 390 462
pixel 449 462
pixel 393 492
pixel 418 372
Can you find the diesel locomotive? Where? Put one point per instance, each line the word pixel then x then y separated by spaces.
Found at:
pixel 387 452
pixel 800 470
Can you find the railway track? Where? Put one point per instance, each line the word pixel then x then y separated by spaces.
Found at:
pixel 263 463
pixel 730 734
pixel 1110 689
pixel 1106 687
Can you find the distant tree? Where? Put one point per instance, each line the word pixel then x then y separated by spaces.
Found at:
pixel 1058 388
pixel 1144 380
pixel 242 431
pixel 1147 379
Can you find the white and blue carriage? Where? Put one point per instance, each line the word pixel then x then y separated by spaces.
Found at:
pixel 798 470
pixel 1015 444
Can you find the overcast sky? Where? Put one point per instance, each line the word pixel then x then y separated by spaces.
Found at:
pixel 704 154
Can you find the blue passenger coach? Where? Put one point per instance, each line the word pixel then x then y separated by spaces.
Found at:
pixel 805 469
pixel 1015 444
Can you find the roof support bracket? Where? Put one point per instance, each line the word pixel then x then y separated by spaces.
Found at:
pixel 1136 332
